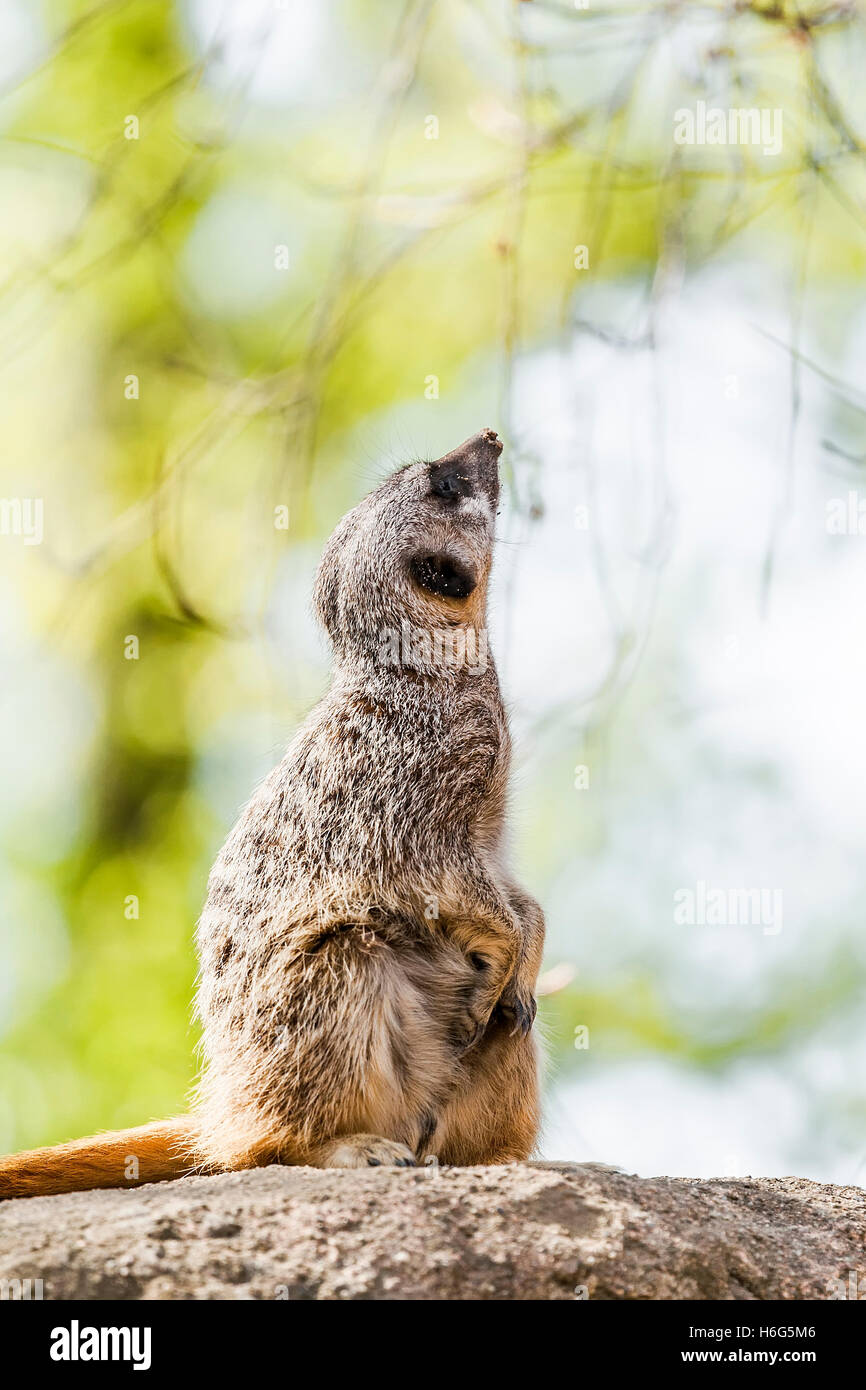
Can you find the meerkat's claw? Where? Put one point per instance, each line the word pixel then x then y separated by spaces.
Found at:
pixel 520 1012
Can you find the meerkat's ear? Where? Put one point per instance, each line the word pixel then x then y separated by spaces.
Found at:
pixel 446 576
pixel 326 592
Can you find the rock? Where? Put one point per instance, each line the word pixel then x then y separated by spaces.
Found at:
pixel 527 1231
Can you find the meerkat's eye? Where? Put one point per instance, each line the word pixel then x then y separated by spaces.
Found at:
pixel 442 575
pixel 450 486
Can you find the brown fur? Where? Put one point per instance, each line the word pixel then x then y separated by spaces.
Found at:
pixel 367 964
pixel 160 1150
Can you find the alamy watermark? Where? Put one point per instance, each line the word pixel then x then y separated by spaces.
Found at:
pixel 848 1290
pixel 739 125
pixel 452 648
pixel 77 1343
pixel 846 516
pixel 703 906
pixel 22 516
pixel 21 1290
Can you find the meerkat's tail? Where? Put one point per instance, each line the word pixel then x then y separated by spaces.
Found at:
pixel 120 1158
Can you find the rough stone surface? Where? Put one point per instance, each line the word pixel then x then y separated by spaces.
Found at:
pixel 535 1231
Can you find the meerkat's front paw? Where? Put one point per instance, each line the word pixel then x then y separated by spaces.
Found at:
pixel 364 1151
pixel 472 1021
pixel 468 1029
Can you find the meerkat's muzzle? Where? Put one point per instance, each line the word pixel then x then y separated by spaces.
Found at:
pixel 472 467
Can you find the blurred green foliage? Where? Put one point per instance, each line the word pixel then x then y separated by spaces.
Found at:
pixel 258 388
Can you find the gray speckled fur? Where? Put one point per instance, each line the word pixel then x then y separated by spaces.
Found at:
pixel 345 1023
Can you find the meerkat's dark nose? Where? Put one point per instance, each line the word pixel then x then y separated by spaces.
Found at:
pixel 484 444
pixel 491 438
pixel 475 462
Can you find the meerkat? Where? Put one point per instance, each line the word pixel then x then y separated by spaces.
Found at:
pixel 367 962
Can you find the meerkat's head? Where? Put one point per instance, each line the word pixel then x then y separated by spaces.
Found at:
pixel 417 551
